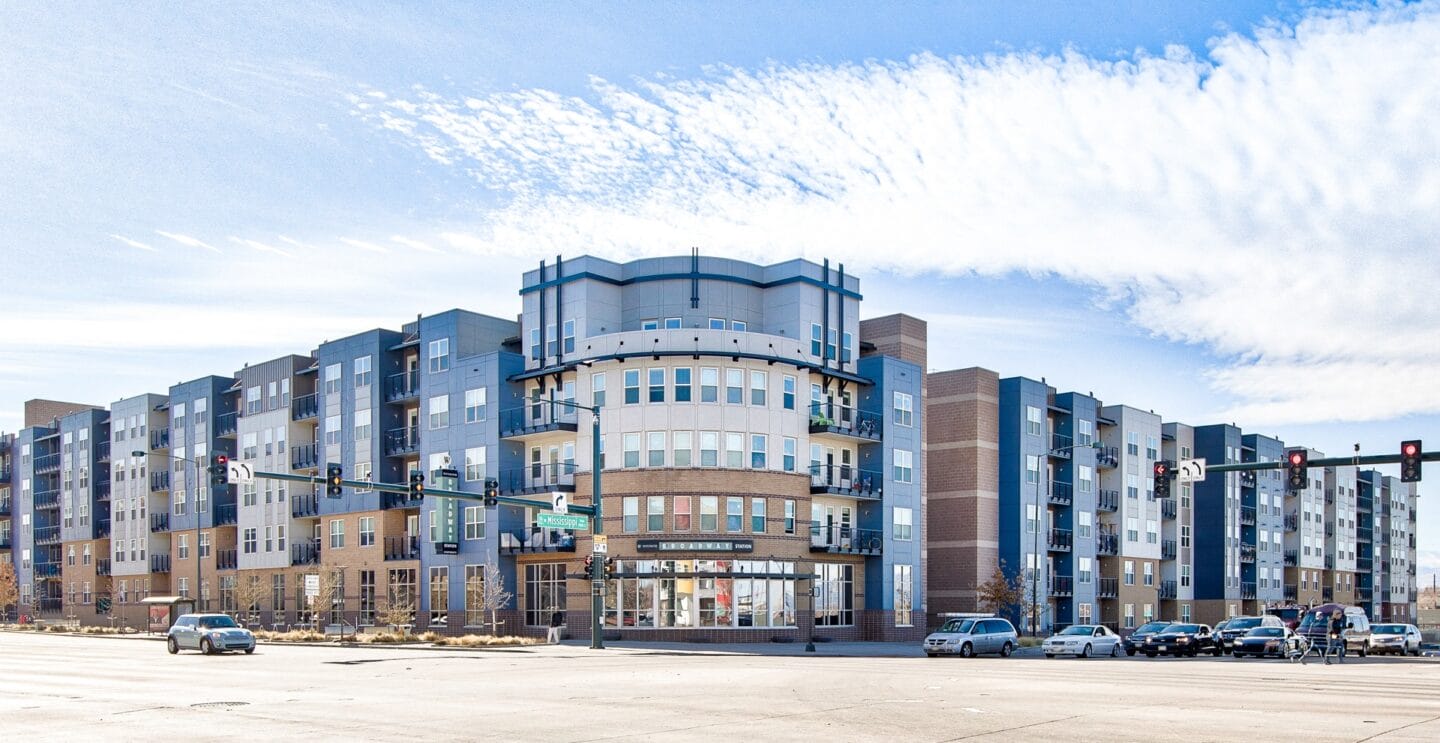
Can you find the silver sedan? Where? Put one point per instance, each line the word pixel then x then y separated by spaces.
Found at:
pixel 1083 640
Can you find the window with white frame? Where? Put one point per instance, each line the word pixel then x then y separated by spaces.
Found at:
pixel 655 382
pixel 475 405
pixel 1083 521
pixel 709 449
pixel 734 386
pixel 630 514
pixel 655 513
pixel 734 450
pixel 904 465
pixel 439 355
pixel 759 451
pixel 474 522
pixel 362 371
pixel 1086 569
pixel 655 449
pixel 904 524
pixel 709 384
pixel 681 453
pixel 475 464
pixel 439 408
pixel 337 533
pixel 1034 424
pixel 597 389
pixel 1087 479
pixel 332 430
pixel 632 386
pixel 904 409
pixel 758 384
pixel 632 449
pixel 904 595
pixel 332 379
pixel 1032 469
pixel 362 425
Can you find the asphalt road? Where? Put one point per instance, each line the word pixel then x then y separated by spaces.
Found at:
pixel 84 688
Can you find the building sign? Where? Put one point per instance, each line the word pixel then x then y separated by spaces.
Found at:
pixel 695 545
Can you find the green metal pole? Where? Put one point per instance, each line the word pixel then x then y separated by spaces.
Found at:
pixel 597 559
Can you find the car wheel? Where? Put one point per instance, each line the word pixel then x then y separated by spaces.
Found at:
pixel 205 647
pixel 1218 652
pixel 967 651
pixel 1149 655
pixel 1114 651
pixel 1050 655
pixel 1364 649
pixel 1085 651
pixel 1130 652
pixel 249 651
pixel 1005 650
pixel 930 655
pixel 172 646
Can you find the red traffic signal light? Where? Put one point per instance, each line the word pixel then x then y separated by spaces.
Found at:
pixel 1296 463
pixel 1162 469
pixel 221 459
pixel 1410 461
pixel 1297 458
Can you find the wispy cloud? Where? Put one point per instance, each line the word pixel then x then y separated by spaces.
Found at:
pixel 262 247
pixel 1276 202
pixel 134 243
pixel 415 244
pixel 363 245
pixel 188 240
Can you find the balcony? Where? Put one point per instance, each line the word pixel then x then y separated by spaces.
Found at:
pixel 47 535
pixel 160 481
pixel 1061 446
pixel 159 563
pixel 1107 544
pixel 1168 509
pixel 1108 588
pixel 402 441
pixel 160 438
pixel 102 566
pixel 839 420
pixel 538 418
pixel 1330 530
pixel 49 605
pixel 1292 558
pixel 1329 562
pixel 1060 540
pixel 1247 553
pixel 1167 549
pixel 1247 591
pixel 1327 594
pixel 102 490
pixel 102 451
pixel 304 506
pixel 102 528
pixel 1168 590
pixel 1292 594
pixel 5 505
pixel 1292 522
pixel 47 570
pixel 225 514
pixel 1364 564
pixel 159 522
pixel 1061 586
pixel 403 386
pixel 1330 496
pixel 226 559
pixel 305 456
pixel 399 500
pixel 305 407
pixel 536 539
pixel 48 497
pixel 843 479
pixel 1366 595
pixel 538 478
pixel 1107 456
pixel 402 548
pixel 1060 494
pixel 845 540
pixel 47 463
pixel 1247 516
pixel 1107 500
pixel 305 554
pixel 1247 479
pixel 1364 534
pixel 226 423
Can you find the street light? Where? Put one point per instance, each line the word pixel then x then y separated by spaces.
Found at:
pixel 1035 571
pixel 195 465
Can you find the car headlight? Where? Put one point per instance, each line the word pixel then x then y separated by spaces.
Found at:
pixel 1182 640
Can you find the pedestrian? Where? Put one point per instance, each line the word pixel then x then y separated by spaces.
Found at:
pixel 1336 635
pixel 557 620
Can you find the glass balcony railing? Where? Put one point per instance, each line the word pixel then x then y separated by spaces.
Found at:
pixel 845 539
pixel 843 479
pixel 844 420
pixel 305 407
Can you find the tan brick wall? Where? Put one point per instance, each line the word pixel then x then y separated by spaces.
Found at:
pixel 42 412
pixel 79 573
pixel 961 464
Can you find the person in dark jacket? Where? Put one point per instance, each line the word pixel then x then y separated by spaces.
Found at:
pixel 1335 633
pixel 557 620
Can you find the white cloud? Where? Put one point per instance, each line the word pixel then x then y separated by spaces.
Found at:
pixel 262 247
pixel 367 246
pixel 415 244
pixel 134 243
pixel 1277 202
pixel 188 240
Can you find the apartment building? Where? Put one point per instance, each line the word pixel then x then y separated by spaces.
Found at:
pixel 1177 575
pixel 7 513
pixel 1394 580
pixel 202 522
pixel 1262 524
pixel 84 494
pixel 1134 437
pixel 140 512
pixel 1340 535
pixel 1219 592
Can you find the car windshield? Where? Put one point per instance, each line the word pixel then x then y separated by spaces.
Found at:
pixel 1152 627
pixel 1079 630
pixel 217 623
pixel 958 625
pixel 1288 615
pixel 1183 628
pixel 1388 629
pixel 1266 632
pixel 1246 623
pixel 1315 619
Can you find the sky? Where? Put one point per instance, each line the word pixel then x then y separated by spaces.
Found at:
pixel 1220 211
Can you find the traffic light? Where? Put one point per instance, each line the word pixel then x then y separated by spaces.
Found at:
pixel 1410 461
pixel 417 484
pixel 492 493
pixel 219 471
pixel 334 478
pixel 1295 463
pixel 1162 479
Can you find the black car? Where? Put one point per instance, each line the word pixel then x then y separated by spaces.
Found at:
pixel 1135 641
pixel 1182 639
pixel 1237 628
pixel 1265 642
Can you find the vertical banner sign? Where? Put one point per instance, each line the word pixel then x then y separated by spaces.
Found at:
pixel 447 510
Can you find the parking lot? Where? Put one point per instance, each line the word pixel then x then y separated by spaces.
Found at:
pixel 69 688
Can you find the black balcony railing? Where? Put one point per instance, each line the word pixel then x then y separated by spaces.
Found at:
pixel 1107 544
pixel 845 539
pixel 159 563
pixel 1292 594
pixel 1060 540
pixel 47 535
pixel 1329 530
pixel 1107 456
pixel 842 420
pixel 1292 558
pixel 159 481
pixel 1364 534
pixel 1061 446
pixel 1108 500
pixel 1329 562
pixel 1167 549
pixel 1366 594
pixel 102 528
pixel 1060 494
pixel 102 566
pixel 1327 594
pixel 47 463
pixel 159 522
pixel 225 514
pixel 304 506
pixel 159 438
pixel 1292 522
pixel 49 605
pixel 47 570
pixel 538 478
pixel 1247 516
pixel 402 548
pixel 400 500
pixel 305 456
pixel 1364 564
pixel 1107 588
pixel 102 451
pixel 1247 553
pixel 843 479
pixel 536 539
pixel 1329 496
pixel 226 423
pixel 47 498
pixel 401 441
pixel 1168 509
pixel 1247 590
pixel 305 554
pixel 1168 589
pixel 1061 585
pixel 402 386
pixel 541 417
pixel 102 489
pixel 5 505
pixel 1247 479
pixel 226 559
pixel 304 407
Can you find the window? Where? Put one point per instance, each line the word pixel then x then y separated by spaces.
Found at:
pixel 904 593
pixel 632 449
pixel 787 459
pixel 815 339
pixel 737 326
pixel 475 405
pixel 597 389
pixel 1083 613
pixel 474 595
pixel 1087 479
pixel 1084 432
pixel 630 510
pixel 1086 570
pixel 544 592
pixel 734 450
pixel 249 542
pixel 904 465
pixel 1032 518
pixel 1129 572
pixel 337 533
pixel 734 386
pixel 1149 574
pixel 1132 444
pixel 1185 613
pixel 1132 529
pixel 1132 486
pixel 632 386
pixel 1152 447
pixel 332 430
pixel 834 595
pixel 709 513
pixel 367 531
pixel 655 449
pixel 904 409
pixel 568 336
pixel 683 443
pixel 682 384
pixel 332 383
pixel 1185 575
pixel 439 594
pixel 551 349
pixel 709 384
pixel 789 517
pixel 474 522
pixel 439 355
pixel 787 395
pixel 682 513
pixel 1032 469
pixel 252 400
pixel 1084 519
pixel 709 449
pixel 757 388
pixel 649 324
pixel 758 450
pixel 439 407
pixel 904 524
pixel 734 514
pixel 1033 424
pixel 362 425
pixel 672 323
pixel 362 371
pixel 716 323
pixel 1129 616
pixel 1152 531
pixel 655 513
pixel 179 502
pixel 656 384
pixel 534 343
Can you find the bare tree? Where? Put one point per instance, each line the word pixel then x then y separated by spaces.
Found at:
pixel 246 595
pixel 9 589
pixel 1005 595
pixel 328 593
pixel 399 610
pixel 493 596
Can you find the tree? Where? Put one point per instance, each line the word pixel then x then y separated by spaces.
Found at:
pixel 399 610
pixel 246 596
pixel 329 592
pixel 1008 595
pixel 492 595
pixel 9 588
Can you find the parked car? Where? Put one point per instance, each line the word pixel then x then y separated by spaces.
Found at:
pixel 970 637
pixel 1135 641
pixel 1290 615
pixel 1182 639
pixel 1237 627
pixel 1399 639
pixel 1266 641
pixel 208 633
pixel 1083 640
pixel 1315 626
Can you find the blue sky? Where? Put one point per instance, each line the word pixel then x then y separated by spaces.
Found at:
pixel 1222 211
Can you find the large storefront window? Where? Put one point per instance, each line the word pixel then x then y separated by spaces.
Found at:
pixel 834 595
pixel 544 592
pixel 701 593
